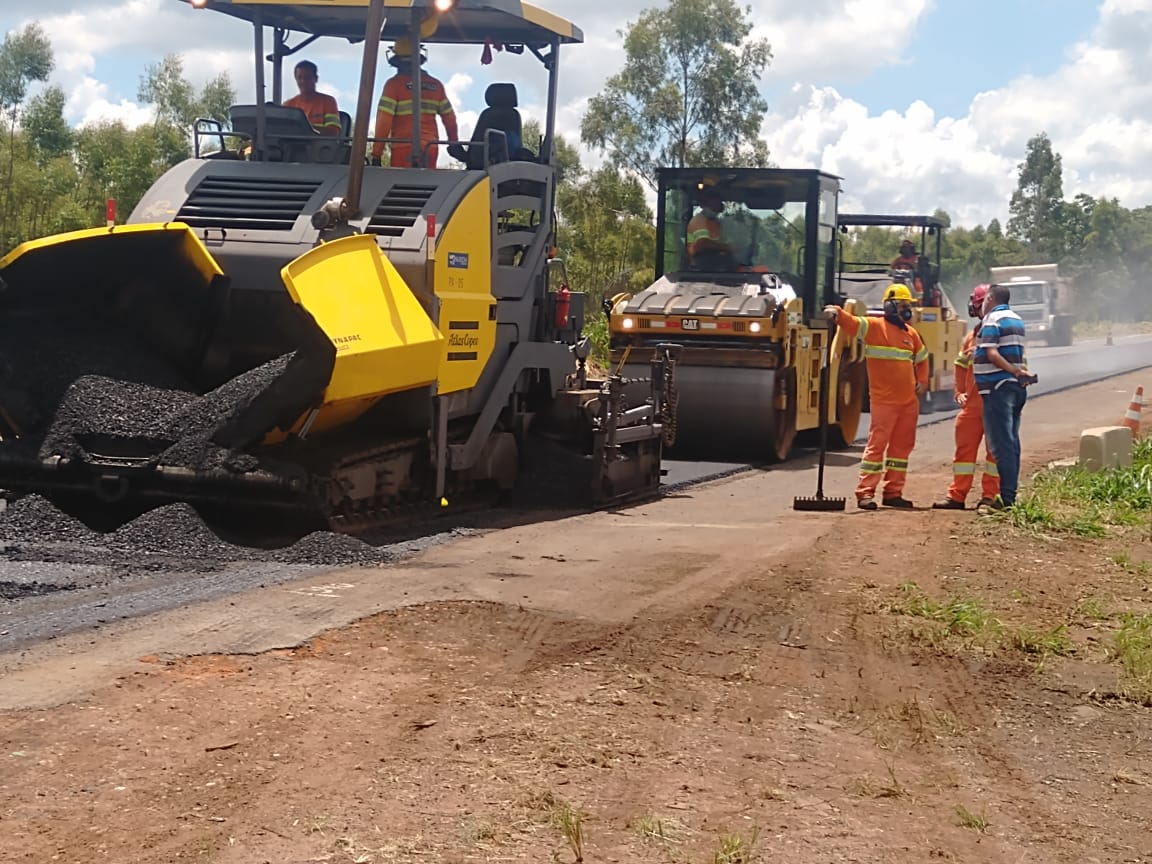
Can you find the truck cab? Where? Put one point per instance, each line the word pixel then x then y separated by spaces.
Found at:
pixel 1042 299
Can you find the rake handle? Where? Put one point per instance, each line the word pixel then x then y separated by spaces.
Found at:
pixel 825 365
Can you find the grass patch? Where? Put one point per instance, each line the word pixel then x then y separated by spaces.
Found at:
pixel 655 829
pixel 735 849
pixel 562 816
pixel 957 617
pixel 1092 609
pixel 1070 500
pixel 480 831
pixel 887 788
pixel 970 820
pixel 966 619
pixel 1132 649
pixel 1041 642
pixel 570 823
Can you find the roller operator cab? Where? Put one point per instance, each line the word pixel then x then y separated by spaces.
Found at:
pixel 745 262
pixel 870 261
pixel 283 325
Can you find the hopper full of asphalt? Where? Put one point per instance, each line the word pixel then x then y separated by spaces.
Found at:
pixel 75 387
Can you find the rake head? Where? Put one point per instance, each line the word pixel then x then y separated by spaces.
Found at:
pixel 819 503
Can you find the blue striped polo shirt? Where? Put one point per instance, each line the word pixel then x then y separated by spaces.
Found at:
pixel 1003 330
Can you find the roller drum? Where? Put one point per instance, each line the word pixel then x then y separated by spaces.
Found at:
pixel 721 410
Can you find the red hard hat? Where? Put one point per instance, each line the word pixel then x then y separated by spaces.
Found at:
pixel 979 293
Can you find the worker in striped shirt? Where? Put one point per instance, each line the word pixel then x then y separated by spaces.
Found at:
pixel 1002 379
pixel 321 108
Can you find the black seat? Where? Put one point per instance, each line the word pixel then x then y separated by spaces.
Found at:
pixel 345 124
pixel 289 137
pixel 498 126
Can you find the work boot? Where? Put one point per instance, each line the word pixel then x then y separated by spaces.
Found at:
pixel 866 503
pixel 948 504
pixel 985 502
pixel 898 501
pixel 996 503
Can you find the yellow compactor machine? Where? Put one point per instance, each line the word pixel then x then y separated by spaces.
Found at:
pixel 934 316
pixel 745 261
pixel 280 325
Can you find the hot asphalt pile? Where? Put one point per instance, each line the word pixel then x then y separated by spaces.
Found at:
pixel 173 537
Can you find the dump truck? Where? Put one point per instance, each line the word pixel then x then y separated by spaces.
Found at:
pixel 282 329
pixel 1042 299
pixel 745 262
pixel 934 317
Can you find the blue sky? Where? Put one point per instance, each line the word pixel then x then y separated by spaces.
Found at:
pixel 918 104
pixel 962 47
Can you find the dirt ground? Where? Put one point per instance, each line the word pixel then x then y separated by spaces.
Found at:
pixel 795 706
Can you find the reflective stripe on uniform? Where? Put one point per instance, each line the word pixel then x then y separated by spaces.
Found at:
pixel 404 108
pixel 332 120
pixel 921 355
pixel 963 467
pixel 900 465
pixel 885 352
pixel 871 467
pixel 962 361
pixel 991 470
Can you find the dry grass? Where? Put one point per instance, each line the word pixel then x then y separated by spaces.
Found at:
pixel 735 849
pixel 973 821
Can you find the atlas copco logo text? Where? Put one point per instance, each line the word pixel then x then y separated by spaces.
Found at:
pixel 465 340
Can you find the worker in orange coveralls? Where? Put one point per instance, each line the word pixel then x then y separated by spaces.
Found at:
pixel 397 106
pixel 970 424
pixel 907 258
pixel 897 364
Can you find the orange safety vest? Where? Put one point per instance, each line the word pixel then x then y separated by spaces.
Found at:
pixel 964 379
pixel 394 117
pixel 895 357
pixel 320 108
pixel 702 227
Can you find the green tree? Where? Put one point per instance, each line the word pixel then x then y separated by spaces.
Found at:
pixel 567 161
pixel 48 132
pixel 178 106
pixel 116 162
pixel 606 232
pixel 688 93
pixel 1037 212
pixel 25 57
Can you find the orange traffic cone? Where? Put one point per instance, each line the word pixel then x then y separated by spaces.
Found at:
pixel 1132 415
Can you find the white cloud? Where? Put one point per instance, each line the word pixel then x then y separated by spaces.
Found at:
pixel 894 162
pixel 89 101
pixel 845 37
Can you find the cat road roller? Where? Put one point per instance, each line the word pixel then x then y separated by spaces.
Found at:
pixel 745 262
pixel 281 327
